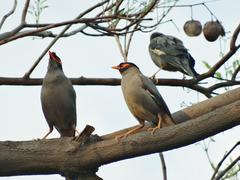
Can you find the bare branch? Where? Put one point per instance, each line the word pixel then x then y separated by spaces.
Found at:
pixel 222 173
pixel 24 12
pixel 164 168
pixel 8 14
pixel 223 84
pixel 54 25
pixel 235 73
pixel 233 45
pixel 56 38
pixel 222 160
pixel 15 81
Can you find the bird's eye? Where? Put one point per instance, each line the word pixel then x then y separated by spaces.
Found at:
pixel 123 66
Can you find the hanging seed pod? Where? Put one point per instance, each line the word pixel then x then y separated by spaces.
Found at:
pixel 212 30
pixel 192 28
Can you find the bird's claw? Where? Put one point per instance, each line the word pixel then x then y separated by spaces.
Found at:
pixel 121 136
pixel 154 79
pixel 152 130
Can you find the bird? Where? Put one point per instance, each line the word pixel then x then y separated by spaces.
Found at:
pixel 58 99
pixel 168 53
pixel 143 99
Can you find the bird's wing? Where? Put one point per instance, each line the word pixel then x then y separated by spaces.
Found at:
pixel 168 45
pixel 152 90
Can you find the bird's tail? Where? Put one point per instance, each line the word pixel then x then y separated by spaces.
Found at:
pixel 190 71
pixel 190 68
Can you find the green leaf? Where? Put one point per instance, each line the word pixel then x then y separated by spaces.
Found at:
pixel 218 75
pixel 206 64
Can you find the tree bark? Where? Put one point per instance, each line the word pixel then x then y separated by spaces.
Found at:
pixel 55 156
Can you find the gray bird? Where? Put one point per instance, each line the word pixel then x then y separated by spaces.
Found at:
pixel 58 99
pixel 143 99
pixel 169 53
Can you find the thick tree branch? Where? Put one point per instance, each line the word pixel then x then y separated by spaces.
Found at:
pixel 25 158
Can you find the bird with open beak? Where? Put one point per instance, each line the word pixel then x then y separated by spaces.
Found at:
pixel 143 99
pixel 58 99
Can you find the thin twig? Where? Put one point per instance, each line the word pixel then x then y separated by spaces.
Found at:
pixel 163 16
pixel 120 48
pixel 8 14
pixel 164 167
pixel 24 12
pixel 27 74
pixel 188 5
pixel 54 25
pixel 223 159
pixel 223 172
pixel 235 73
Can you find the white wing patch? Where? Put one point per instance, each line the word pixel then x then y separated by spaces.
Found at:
pixel 158 52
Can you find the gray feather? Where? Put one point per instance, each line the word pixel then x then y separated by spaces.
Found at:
pixel 169 53
pixel 58 100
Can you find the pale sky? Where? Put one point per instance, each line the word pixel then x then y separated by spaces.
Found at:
pixel 104 107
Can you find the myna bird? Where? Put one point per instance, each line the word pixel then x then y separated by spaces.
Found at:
pixel 143 99
pixel 58 99
pixel 169 53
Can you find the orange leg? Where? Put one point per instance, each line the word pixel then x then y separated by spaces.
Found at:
pixel 49 132
pixel 125 135
pixel 159 125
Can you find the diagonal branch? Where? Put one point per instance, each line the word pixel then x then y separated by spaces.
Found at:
pixel 223 159
pixel 223 172
pixel 232 50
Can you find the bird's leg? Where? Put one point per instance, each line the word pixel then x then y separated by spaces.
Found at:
pixel 153 77
pixel 49 132
pixel 159 125
pixel 125 135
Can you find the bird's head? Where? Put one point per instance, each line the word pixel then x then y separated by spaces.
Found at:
pixel 54 61
pixel 122 67
pixel 155 34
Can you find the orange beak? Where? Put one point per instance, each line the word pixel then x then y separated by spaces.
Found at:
pixel 116 67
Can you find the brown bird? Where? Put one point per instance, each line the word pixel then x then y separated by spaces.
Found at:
pixel 143 99
pixel 58 99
